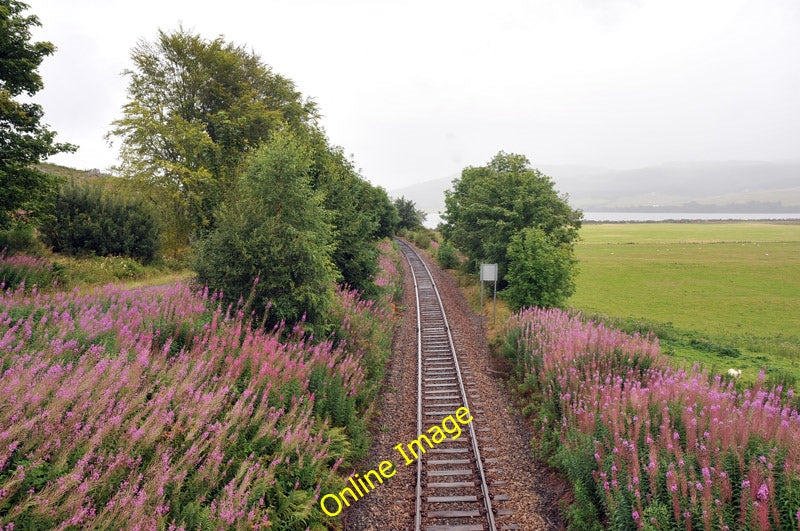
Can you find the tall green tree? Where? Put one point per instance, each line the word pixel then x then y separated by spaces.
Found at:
pixel 410 217
pixel 24 140
pixel 272 243
pixel 541 270
pixel 354 227
pixel 196 108
pixel 377 201
pixel 489 205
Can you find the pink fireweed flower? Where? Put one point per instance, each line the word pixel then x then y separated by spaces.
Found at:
pixel 100 369
pixel 763 492
pixel 589 363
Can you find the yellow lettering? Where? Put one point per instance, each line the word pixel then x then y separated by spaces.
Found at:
pixel 385 469
pixel 399 448
pixel 353 494
pixel 438 435
pixel 418 442
pixel 356 486
pixel 456 428
pixel 463 412
pixel 371 484
pixel 451 425
pixel 325 509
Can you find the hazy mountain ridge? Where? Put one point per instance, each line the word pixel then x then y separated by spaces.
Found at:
pixel 735 186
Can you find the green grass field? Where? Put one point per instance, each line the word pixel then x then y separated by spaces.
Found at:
pixel 725 294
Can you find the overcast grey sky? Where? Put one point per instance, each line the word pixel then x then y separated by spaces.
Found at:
pixel 416 90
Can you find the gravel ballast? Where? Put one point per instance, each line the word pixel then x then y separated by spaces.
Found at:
pixel 533 489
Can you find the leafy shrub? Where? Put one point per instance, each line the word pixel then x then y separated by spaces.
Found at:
pixel 384 210
pixel 20 238
pixel 540 270
pixel 272 242
pixel 446 256
pixel 87 221
pixel 422 237
pixel 422 240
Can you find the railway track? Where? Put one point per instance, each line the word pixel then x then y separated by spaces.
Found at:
pixel 452 491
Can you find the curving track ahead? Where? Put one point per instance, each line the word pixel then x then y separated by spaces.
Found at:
pixel 452 492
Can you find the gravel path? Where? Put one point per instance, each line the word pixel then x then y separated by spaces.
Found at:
pixel 533 489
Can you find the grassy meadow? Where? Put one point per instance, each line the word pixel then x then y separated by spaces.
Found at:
pixel 726 294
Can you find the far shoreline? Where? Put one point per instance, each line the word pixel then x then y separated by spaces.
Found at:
pixel 592 217
pixel 687 217
pixel 790 221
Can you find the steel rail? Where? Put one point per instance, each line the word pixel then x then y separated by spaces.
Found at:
pixel 412 256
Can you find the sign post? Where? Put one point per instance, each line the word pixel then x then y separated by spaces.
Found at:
pixel 489 274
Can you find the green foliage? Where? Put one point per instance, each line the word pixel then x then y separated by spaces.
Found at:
pixel 20 237
pixel 196 109
pixel 540 270
pixel 709 346
pixel 378 202
pixel 581 515
pixel 447 257
pixel 420 236
pixel 210 105
pixel 87 221
pixel 334 403
pixel 409 217
pixel 272 243
pixel 656 516
pixel 489 204
pixel 354 207
pixel 24 191
pixel 422 240
pixel 361 214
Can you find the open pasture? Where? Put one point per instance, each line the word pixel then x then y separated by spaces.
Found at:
pixel 711 290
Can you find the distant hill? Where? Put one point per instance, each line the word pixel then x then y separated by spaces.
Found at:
pixel 69 173
pixel 731 186
pixel 87 177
